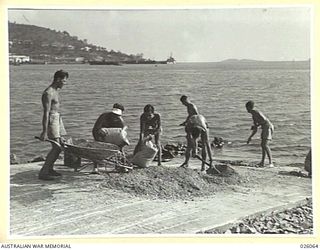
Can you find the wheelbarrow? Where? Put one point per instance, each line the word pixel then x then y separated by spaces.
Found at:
pixel 94 152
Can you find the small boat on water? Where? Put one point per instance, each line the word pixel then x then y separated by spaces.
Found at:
pixel 145 62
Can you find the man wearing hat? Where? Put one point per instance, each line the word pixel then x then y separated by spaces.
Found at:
pixel 111 119
pixel 106 121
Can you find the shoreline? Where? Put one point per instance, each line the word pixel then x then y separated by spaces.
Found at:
pixel 173 150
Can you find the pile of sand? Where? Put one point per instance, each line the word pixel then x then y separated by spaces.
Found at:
pixel 172 183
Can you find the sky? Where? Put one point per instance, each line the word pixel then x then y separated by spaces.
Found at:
pixel 191 35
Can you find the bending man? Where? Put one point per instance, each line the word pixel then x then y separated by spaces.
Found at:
pixel 196 126
pixel 266 134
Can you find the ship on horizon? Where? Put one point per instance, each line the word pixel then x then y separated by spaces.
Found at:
pixel 100 61
pixel 104 62
pixel 171 60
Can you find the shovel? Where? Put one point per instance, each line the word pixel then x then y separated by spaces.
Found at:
pixel 211 166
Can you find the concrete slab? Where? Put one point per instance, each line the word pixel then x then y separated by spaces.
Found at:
pixel 77 205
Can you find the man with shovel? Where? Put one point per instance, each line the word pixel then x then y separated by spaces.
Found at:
pixel 196 126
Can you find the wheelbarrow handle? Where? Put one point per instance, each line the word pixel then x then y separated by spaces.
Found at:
pixel 51 141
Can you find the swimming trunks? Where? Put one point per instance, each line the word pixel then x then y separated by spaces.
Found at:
pixel 55 127
pixel 267 131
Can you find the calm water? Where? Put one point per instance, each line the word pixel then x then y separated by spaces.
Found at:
pixel 280 91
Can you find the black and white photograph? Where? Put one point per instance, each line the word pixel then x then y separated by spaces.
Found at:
pixel 135 122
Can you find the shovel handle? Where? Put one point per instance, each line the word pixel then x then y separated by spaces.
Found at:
pixel 211 166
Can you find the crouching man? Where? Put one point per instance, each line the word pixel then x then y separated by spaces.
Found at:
pixel 110 128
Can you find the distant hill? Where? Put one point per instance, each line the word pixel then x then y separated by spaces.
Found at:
pixel 248 61
pixel 45 44
pixel 239 61
pixel 258 64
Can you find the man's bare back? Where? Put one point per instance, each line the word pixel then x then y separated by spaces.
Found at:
pixel 191 108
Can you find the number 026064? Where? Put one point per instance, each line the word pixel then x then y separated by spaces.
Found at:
pixel 308 246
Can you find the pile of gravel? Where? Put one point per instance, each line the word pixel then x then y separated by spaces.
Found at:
pixel 297 220
pixel 171 183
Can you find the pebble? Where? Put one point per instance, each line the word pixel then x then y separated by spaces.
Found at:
pixel 297 220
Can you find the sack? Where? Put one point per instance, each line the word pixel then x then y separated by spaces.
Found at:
pixel 144 154
pixel 117 136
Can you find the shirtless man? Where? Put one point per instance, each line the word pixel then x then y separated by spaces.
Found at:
pixel 266 134
pixel 191 108
pixel 52 125
pixel 197 126
pixel 150 124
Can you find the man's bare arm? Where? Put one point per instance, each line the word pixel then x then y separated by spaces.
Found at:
pixel 46 103
pixel 142 127
pixel 158 127
pixel 254 131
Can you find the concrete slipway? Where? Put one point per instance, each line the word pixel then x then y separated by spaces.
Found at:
pixel 74 205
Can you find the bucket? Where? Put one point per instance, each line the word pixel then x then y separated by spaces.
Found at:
pixel 71 160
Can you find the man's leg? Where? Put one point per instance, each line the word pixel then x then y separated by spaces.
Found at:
pixel 188 151
pixel 158 143
pixel 206 147
pixel 268 151
pixel 263 148
pixel 58 149
pixel 204 155
pixel 46 172
pixel 207 144
pixel 194 147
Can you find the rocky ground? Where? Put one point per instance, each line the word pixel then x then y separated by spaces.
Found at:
pixel 297 220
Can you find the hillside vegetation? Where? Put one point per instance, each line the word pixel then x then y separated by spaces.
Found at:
pixel 50 45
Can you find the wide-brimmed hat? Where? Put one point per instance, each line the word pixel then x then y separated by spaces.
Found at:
pixel 117 109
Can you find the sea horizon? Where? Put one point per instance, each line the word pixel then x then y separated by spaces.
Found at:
pixel 281 92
